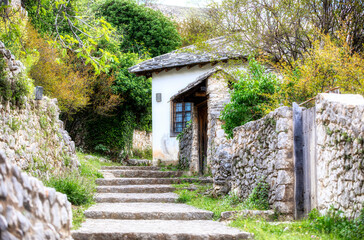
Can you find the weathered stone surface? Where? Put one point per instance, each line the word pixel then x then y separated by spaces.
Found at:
pixel 136 197
pixel 144 173
pixel 340 130
pixel 130 168
pixel 146 181
pixel 110 229
pixel 147 211
pixel 221 50
pixel 142 140
pixel 136 189
pixel 229 215
pixel 32 137
pixel 263 149
pixel 25 212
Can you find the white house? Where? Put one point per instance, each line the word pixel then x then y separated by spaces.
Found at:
pixel 170 73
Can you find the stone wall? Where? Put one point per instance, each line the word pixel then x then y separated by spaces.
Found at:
pixel 29 210
pixel 263 149
pixel 14 66
pixel 32 136
pixel 142 140
pixel 340 152
pixel 219 153
pixel 185 147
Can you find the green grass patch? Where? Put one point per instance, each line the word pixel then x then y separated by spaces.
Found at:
pixel 79 189
pixel 79 185
pixel 333 225
pixel 201 199
pixel 143 154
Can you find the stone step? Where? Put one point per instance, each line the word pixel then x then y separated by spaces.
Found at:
pixel 111 229
pixel 148 181
pixel 139 162
pixel 130 168
pixel 144 173
pixel 136 189
pixel 136 197
pixel 147 211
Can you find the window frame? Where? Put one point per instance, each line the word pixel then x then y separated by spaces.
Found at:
pixel 174 116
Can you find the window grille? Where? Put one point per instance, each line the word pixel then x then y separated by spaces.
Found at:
pixel 181 115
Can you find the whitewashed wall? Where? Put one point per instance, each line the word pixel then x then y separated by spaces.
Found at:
pixel 165 147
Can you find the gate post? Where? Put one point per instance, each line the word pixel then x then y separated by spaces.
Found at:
pixel 298 143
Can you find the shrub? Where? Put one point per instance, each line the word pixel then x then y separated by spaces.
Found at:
pixel 13 91
pixel 141 27
pixel 143 154
pixel 259 197
pixel 79 190
pixel 250 97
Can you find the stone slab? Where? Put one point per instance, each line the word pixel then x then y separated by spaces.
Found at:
pixel 130 168
pixel 110 229
pixel 144 173
pixel 147 211
pixel 135 197
pixel 136 189
pixel 145 181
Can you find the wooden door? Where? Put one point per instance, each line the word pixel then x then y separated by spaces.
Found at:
pixel 202 134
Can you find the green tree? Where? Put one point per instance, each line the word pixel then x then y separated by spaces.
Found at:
pixel 250 97
pixel 142 28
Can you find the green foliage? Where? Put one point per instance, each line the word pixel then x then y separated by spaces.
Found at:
pixel 259 197
pixel 141 27
pixel 250 97
pixel 113 133
pixel 75 28
pixel 13 91
pixel 143 154
pixel 15 124
pixel 333 222
pixel 79 190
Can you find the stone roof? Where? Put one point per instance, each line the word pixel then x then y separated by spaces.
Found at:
pixel 214 50
pixel 194 85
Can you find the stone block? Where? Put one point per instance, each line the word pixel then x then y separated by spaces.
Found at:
pixel 284 207
pixel 285 177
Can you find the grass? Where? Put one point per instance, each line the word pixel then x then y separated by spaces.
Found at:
pixel 79 186
pixel 330 226
pixel 197 199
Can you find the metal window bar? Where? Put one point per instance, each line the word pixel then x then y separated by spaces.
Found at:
pixel 180 110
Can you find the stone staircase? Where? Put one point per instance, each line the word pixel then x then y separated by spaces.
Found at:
pixel 139 203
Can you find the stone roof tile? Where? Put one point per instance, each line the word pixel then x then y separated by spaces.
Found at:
pixel 217 49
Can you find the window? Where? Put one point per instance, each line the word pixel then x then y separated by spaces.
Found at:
pixel 181 115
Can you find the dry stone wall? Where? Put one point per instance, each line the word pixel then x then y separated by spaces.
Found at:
pixel 263 150
pixel 29 210
pixel 219 153
pixel 142 140
pixel 340 152
pixel 14 67
pixel 185 147
pixel 32 136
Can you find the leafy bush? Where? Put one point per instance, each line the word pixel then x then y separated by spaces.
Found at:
pixel 259 197
pixel 145 154
pixel 13 91
pixel 141 27
pixel 79 190
pixel 333 222
pixel 250 97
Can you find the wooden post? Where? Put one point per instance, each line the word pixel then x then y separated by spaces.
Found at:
pixel 298 160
